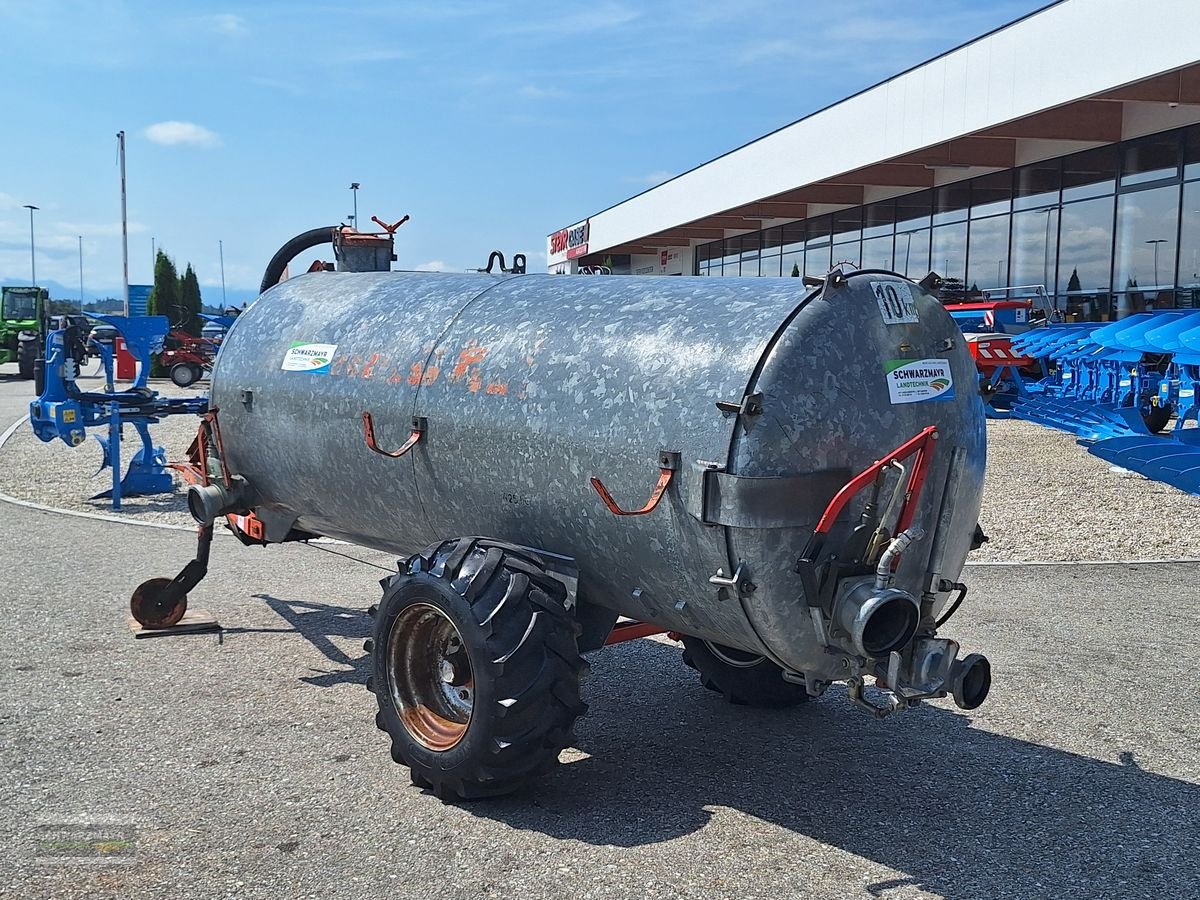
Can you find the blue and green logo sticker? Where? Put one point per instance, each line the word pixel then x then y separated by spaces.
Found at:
pixel 918 380
pixel 314 359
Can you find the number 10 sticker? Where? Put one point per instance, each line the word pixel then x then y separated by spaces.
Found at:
pixel 895 301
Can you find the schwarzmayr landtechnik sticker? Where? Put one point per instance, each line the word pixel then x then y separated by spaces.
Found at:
pixel 311 358
pixel 919 380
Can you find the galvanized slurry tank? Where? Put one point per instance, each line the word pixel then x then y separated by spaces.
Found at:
pixel 760 398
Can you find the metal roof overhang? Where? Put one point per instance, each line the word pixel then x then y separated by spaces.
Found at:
pixel 1065 76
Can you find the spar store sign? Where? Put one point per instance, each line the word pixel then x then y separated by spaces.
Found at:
pixel 571 241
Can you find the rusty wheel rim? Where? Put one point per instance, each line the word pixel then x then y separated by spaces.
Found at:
pixel 429 676
pixel 152 607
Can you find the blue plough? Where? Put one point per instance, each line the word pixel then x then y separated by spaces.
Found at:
pixel 1115 386
pixel 64 411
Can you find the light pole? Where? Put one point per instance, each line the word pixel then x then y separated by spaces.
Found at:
pixel 221 250
pixel 1156 242
pixel 32 253
pixel 907 248
pixel 81 273
pixel 354 190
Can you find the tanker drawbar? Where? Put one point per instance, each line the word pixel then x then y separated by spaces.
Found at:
pixel 785 479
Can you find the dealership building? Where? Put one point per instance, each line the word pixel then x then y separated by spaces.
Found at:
pixel 1021 158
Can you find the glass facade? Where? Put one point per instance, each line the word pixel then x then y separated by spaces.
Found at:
pixel 1107 232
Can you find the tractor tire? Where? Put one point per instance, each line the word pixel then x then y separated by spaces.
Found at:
pixel 1156 417
pixel 745 679
pixel 184 374
pixel 476 668
pixel 27 352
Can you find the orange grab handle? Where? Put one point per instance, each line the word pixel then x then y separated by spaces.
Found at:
pixel 668 463
pixel 418 430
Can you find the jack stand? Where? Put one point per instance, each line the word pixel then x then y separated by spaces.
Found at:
pixel 161 602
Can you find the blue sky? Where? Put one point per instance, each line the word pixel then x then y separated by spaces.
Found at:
pixel 491 124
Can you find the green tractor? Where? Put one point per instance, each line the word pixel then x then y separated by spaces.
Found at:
pixel 22 311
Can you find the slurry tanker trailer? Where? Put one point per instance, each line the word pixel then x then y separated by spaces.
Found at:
pixel 785 478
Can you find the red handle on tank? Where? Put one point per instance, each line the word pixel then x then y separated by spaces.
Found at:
pixel 369 437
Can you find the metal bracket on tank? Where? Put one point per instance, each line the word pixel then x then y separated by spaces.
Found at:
pixel 747 410
pixel 716 497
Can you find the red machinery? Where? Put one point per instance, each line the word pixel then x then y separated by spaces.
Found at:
pixel 186 358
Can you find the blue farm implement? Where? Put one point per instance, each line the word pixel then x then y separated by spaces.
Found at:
pixel 1116 386
pixel 65 411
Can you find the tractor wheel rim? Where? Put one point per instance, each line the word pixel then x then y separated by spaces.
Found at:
pixel 731 656
pixel 429 676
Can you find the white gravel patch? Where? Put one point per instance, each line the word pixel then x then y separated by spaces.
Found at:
pixel 1045 499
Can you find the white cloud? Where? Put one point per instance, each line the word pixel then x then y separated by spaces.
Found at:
pixel 223 23
pixel 8 201
pixel 582 20
pixel 98 229
pixel 172 133
pixel 533 92
pixel 650 179
pixel 435 265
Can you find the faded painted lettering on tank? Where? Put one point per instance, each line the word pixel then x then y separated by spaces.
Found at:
pixel 472 354
pixel 369 368
pixel 423 375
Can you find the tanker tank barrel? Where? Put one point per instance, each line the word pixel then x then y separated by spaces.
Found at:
pixel 791 444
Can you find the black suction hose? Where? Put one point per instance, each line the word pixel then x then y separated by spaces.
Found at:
pixel 291 250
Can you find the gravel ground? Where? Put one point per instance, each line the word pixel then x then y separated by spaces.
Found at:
pixel 1045 498
pixel 249 766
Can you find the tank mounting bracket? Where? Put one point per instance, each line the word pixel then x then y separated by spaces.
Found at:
pixel 748 409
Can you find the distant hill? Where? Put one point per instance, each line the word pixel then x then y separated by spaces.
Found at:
pixel 59 291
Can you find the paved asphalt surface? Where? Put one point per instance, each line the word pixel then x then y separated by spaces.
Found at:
pixel 249 766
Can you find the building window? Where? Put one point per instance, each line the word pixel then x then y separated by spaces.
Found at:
pixel 987 253
pixel 1149 160
pixel 949 253
pixel 1144 271
pixel 1037 185
pixel 991 194
pixel 1034 248
pixel 912 253
pixel 750 253
pixel 877 252
pixel 1085 258
pixel 818 246
pixel 731 251
pixel 1092 173
pixel 769 262
pixel 951 202
pixel 879 219
pixel 793 249
pixel 912 234
pixel 1191 152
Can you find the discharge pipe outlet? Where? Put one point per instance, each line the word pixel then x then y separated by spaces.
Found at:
pixel 970 680
pixel 874 621
pixel 207 502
